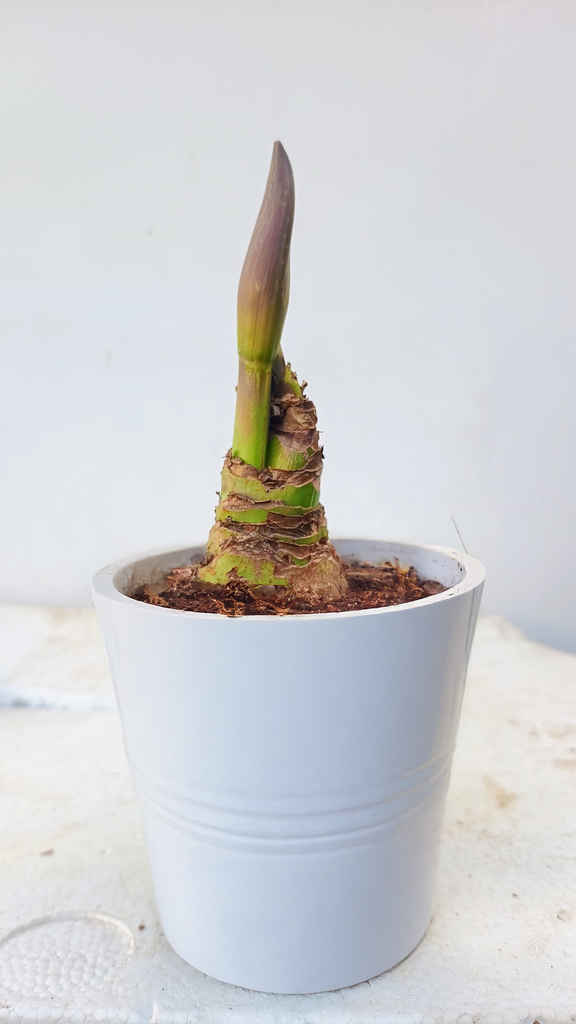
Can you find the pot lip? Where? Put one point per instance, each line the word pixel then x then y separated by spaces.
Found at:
pixel 474 574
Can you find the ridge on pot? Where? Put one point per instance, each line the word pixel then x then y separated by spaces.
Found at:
pixel 293 819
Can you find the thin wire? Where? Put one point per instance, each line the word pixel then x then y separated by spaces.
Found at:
pixel 459 534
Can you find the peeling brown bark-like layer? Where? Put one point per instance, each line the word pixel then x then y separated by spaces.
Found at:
pixel 270 527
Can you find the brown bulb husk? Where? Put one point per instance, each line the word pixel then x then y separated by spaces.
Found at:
pixel 270 527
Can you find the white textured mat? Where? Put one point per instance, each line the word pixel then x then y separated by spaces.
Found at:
pixel 78 934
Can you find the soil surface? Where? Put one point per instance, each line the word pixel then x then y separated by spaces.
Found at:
pixel 369 587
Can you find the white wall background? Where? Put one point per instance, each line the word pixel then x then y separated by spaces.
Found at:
pixel 433 296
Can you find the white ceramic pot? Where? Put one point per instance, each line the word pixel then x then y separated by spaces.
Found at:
pixel 292 770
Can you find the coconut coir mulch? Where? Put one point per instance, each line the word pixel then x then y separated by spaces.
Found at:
pixel 369 587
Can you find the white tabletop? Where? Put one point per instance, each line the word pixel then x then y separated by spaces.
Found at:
pixel 79 938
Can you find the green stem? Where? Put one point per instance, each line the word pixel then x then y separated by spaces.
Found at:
pixel 252 412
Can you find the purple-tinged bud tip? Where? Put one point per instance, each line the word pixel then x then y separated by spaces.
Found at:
pixel 265 280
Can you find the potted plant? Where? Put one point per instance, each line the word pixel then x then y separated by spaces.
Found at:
pixel 290 738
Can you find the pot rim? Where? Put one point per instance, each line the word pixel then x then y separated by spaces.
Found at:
pixel 103 584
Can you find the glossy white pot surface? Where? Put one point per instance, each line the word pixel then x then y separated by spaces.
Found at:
pixel 292 770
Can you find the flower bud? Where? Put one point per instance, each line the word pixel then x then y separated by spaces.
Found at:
pixel 265 279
